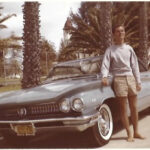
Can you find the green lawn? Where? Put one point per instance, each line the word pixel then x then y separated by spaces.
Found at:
pixel 3 80
pixel 7 86
pixel 10 88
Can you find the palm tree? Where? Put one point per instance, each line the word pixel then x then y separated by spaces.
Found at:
pixel 91 29
pixel 143 42
pixel 31 48
pixel 106 23
pixel 85 30
pixel 127 13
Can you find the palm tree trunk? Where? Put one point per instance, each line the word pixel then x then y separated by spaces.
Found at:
pixel 31 49
pixel 143 43
pixel 106 24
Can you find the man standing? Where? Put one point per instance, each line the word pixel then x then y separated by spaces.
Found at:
pixel 121 60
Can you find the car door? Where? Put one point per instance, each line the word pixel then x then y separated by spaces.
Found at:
pixel 144 94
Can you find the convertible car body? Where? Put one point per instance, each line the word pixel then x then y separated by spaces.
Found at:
pixel 71 98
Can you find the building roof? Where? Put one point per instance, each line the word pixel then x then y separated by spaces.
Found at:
pixel 68 24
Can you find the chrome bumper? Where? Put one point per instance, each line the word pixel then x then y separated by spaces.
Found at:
pixel 78 123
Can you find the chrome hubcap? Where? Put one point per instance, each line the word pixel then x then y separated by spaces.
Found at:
pixel 104 122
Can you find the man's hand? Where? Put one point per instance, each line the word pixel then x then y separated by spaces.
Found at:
pixel 138 87
pixel 105 81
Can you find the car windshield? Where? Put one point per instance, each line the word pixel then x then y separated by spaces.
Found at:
pixel 76 68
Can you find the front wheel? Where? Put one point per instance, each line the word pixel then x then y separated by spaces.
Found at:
pixel 104 127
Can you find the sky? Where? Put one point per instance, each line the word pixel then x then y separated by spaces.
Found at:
pixel 53 15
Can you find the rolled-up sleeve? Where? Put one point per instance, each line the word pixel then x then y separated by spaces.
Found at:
pixel 135 66
pixel 105 63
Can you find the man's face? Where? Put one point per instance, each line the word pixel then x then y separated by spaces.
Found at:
pixel 119 33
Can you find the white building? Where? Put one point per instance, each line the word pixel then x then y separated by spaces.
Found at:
pixel 66 31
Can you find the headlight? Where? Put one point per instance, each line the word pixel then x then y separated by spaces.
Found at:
pixel 77 104
pixel 65 106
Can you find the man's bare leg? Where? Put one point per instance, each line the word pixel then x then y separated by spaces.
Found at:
pixel 124 117
pixel 134 116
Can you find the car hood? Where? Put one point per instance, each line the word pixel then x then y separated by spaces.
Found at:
pixel 43 92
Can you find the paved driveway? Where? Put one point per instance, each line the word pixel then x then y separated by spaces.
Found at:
pixel 118 139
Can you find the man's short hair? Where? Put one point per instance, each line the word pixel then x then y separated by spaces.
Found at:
pixel 116 26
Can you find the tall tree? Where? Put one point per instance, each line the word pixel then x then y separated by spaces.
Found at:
pixel 91 29
pixel 106 23
pixel 31 48
pixel 143 47
pixel 85 32
pixel 127 13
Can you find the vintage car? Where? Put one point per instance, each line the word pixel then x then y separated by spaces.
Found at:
pixel 71 98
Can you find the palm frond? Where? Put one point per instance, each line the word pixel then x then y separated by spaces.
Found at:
pixel 2 26
pixel 6 18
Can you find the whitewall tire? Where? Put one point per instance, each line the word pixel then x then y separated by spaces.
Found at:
pixel 103 129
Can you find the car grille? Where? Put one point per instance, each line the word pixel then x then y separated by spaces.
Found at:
pixel 34 112
pixel 43 109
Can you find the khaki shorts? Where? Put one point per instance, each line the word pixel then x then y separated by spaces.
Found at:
pixel 124 86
